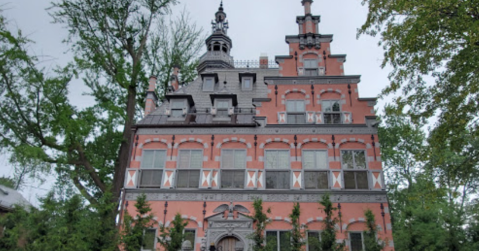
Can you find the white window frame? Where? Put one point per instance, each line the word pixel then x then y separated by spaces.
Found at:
pixel 355 169
pixel 243 87
pixel 315 68
pixel 155 239
pixel 230 104
pixel 315 161
pixel 178 109
pixel 194 237
pixel 154 169
pixel 331 113
pixel 307 237
pixel 189 168
pixel 274 150
pixel 355 232
pixel 296 112
pixel 354 161
pixel 205 80
pixel 278 242
pixel 234 169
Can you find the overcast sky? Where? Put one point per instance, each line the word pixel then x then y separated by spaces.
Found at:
pixel 256 26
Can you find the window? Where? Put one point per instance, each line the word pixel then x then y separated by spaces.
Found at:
pixel 208 84
pixel 296 112
pixel 189 159
pixel 176 107
pixel 222 107
pixel 152 165
pixel 150 240
pixel 310 67
pixel 277 180
pixel 354 160
pixel 247 84
pixel 279 240
pixel 315 159
pixel 277 159
pixel 313 241
pixel 233 159
pixel 316 180
pixel 356 241
pixel 190 235
pixel 331 112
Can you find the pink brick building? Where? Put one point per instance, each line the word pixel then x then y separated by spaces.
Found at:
pixel 288 133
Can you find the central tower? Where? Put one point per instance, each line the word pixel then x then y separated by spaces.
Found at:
pixel 218 45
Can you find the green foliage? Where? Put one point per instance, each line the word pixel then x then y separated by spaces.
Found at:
pixel 261 220
pixel 425 40
pixel 133 232
pixel 328 235
pixel 59 224
pixel 8 182
pixel 297 231
pixel 172 238
pixel 371 243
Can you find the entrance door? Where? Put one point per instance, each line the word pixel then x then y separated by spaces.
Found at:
pixel 227 244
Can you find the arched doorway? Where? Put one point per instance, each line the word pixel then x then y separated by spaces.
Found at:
pixel 228 243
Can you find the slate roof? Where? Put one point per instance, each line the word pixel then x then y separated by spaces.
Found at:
pixel 199 114
pixel 10 197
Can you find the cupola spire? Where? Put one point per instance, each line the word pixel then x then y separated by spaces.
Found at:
pixel 307 6
pixel 220 24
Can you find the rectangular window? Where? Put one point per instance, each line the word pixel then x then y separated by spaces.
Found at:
pixel 277 180
pixel 247 84
pixel 208 84
pixel 176 107
pixel 222 107
pixel 310 67
pixel 190 235
pixel 276 159
pixel 188 179
pixel 331 111
pixel 150 238
pixel 316 180
pixel 315 159
pixel 279 240
pixel 190 159
pixel 356 240
pixel 356 180
pixel 353 159
pixel 233 158
pixel 232 178
pixel 313 241
pixel 296 112
pixel 152 164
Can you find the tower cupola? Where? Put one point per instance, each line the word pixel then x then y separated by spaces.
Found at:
pixel 218 44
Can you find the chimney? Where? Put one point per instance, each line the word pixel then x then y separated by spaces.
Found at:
pixel 263 61
pixel 151 97
pixel 174 78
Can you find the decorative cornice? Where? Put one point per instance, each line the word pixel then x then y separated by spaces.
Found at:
pixel 265 195
pixel 313 80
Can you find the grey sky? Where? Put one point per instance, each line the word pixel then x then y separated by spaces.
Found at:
pixel 256 26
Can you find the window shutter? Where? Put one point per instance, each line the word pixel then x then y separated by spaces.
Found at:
pixel 310 119
pixel 131 179
pixel 319 118
pixel 282 118
pixel 347 118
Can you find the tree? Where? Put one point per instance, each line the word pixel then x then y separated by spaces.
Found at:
pixel 113 43
pixel 436 40
pixel 133 233
pixel 297 233
pixel 8 182
pixel 261 220
pixel 371 243
pixel 59 224
pixel 327 241
pixel 171 239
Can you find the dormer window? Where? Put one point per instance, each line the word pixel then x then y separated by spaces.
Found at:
pixel 209 84
pixel 222 107
pixel 331 111
pixel 311 67
pixel 247 84
pixel 295 112
pixel 178 108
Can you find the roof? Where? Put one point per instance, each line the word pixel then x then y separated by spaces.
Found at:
pixel 200 113
pixel 10 197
